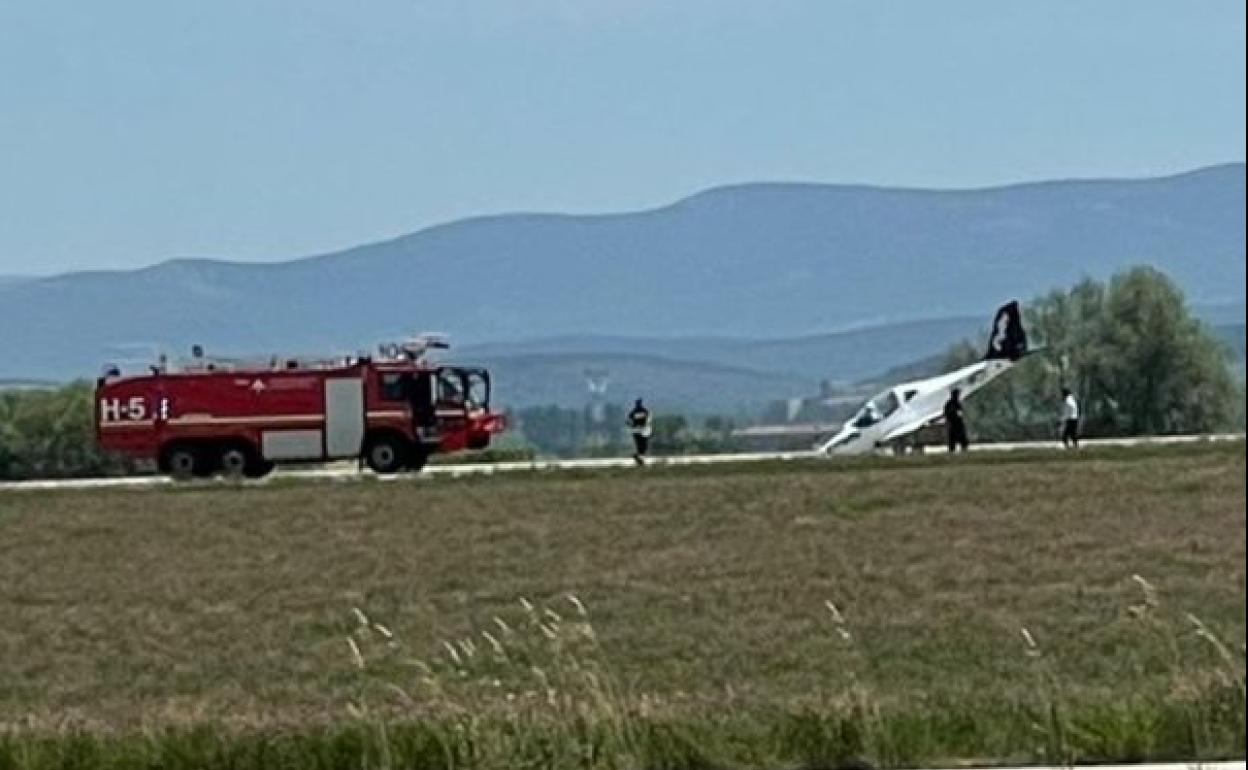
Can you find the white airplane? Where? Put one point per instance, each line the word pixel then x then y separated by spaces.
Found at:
pixel 903 409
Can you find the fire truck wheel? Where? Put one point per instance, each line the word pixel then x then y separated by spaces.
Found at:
pixel 183 461
pixel 242 461
pixel 386 454
pixel 234 460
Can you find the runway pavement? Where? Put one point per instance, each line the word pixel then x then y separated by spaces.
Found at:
pixel 347 471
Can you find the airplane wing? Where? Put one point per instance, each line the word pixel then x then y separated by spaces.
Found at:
pixel 910 426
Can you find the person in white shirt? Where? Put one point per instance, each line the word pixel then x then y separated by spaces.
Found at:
pixel 1070 419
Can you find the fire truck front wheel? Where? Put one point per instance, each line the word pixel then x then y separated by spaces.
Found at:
pixel 386 453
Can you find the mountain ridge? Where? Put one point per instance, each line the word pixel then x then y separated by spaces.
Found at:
pixel 768 260
pixel 1228 166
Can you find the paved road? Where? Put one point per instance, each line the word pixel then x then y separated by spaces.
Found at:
pixel 345 471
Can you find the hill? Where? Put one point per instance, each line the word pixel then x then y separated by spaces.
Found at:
pixel 718 374
pixel 668 384
pixel 1230 334
pixel 839 357
pixel 756 261
pixel 26 384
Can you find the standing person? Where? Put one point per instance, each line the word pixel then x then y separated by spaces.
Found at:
pixel 954 421
pixel 1070 419
pixel 639 425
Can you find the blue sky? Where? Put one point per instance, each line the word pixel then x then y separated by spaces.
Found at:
pixel 134 131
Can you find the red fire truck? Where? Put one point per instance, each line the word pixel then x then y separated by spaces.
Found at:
pixel 239 418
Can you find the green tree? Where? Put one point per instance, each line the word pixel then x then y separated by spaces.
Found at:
pixel 51 434
pixel 1168 372
pixel 670 433
pixel 552 429
pixel 1130 350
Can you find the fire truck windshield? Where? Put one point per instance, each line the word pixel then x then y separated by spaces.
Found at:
pixel 466 387
pixel 450 387
pixel 478 383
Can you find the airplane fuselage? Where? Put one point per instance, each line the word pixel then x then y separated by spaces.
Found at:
pixel 907 407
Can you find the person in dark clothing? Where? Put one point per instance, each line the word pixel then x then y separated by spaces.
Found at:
pixel 639 426
pixel 954 421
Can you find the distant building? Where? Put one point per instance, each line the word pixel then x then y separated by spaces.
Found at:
pixel 28 385
pixel 782 438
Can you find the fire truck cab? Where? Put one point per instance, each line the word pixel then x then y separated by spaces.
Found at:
pixel 240 418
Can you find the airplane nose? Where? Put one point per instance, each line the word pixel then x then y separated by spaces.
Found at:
pixel 841 440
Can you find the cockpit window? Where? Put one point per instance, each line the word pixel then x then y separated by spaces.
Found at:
pixel 867 416
pixel 876 409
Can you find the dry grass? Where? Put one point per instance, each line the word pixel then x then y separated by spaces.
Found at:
pixel 708 590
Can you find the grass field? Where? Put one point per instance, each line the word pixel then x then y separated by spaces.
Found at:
pixel 759 615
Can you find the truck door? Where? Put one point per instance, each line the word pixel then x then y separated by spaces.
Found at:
pixel 477 389
pixel 451 409
pixel 421 400
pixel 477 402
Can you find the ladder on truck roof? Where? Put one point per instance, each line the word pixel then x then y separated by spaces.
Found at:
pixel 270 363
pixel 411 349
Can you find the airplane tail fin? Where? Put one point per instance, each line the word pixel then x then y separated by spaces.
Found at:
pixel 1008 339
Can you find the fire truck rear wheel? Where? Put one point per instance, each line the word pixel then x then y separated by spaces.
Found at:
pixel 183 461
pixel 232 460
pixel 241 460
pixel 386 454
